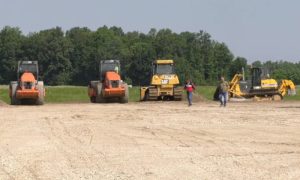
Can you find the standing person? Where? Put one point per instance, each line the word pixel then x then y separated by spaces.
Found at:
pixel 223 91
pixel 189 87
pixel 117 69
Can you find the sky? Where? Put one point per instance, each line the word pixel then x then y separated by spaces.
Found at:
pixel 254 29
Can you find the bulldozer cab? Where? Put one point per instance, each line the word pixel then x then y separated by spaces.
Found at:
pixel 163 67
pixel 28 66
pixel 256 75
pixel 261 76
pixel 109 65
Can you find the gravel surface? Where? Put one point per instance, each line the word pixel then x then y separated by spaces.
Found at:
pixel 151 140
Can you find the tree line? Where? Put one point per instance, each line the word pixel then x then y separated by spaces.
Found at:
pixel 72 56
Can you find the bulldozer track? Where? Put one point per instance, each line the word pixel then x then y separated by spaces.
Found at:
pixel 153 92
pixel 177 94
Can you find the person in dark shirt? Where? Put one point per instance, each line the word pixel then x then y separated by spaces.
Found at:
pixel 223 91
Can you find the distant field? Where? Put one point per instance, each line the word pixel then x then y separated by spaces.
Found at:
pixel 73 94
pixel 206 91
pixel 4 93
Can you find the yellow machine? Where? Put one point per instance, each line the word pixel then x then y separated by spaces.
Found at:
pixel 260 86
pixel 164 83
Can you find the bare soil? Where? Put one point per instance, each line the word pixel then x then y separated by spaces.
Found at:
pixel 151 140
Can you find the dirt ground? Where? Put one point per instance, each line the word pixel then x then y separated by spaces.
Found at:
pixel 153 140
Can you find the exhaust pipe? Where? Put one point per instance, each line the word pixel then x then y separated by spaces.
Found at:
pixel 243 71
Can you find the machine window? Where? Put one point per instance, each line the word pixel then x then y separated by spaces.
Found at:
pixel 164 69
pixel 28 68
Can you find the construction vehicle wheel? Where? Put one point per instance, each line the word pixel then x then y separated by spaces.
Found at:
pixel 13 98
pixel 177 94
pixel 92 87
pixel 146 97
pixel 40 100
pixel 152 94
pixel 99 97
pixel 93 99
pixel 125 98
pixel 276 97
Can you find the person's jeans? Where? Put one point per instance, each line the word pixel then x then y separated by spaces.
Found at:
pixel 223 98
pixel 189 97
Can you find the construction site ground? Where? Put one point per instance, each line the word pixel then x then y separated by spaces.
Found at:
pixel 151 140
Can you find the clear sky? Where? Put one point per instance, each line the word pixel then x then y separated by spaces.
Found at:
pixel 254 29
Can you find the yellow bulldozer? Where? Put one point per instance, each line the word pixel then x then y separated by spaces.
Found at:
pixel 164 84
pixel 260 85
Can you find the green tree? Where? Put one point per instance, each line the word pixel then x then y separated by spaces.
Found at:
pixel 257 64
pixel 73 57
pixel 51 49
pixel 81 55
pixel 222 59
pixel 139 71
pixel 10 52
pixel 237 65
